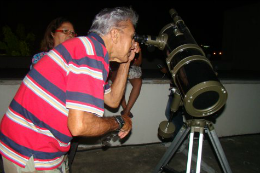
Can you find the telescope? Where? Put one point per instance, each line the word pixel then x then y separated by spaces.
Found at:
pixel 198 90
pixel 201 92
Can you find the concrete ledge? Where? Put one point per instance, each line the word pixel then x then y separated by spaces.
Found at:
pixel 239 116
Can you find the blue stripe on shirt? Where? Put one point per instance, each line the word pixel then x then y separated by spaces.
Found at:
pixel 85 98
pixel 29 152
pixel 93 63
pixel 28 115
pixel 47 85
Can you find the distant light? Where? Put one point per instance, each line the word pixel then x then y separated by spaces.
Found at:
pixel 214 53
pixel 220 53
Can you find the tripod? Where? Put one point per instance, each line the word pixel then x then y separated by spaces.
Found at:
pixel 194 125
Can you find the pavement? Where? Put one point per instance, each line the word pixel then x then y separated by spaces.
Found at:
pixel 242 154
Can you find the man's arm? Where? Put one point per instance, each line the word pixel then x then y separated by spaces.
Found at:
pixel 86 124
pixel 113 98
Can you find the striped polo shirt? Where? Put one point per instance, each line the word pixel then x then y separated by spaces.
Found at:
pixel 72 75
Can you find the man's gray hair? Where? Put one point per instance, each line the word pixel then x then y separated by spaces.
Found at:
pixel 107 19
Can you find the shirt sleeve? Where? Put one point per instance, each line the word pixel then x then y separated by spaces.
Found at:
pixel 85 83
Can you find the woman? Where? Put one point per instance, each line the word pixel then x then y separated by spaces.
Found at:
pixel 58 31
pixel 135 79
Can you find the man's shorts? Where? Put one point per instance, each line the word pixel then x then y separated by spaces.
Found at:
pixel 29 168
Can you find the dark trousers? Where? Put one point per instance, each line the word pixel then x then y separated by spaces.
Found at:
pixel 72 152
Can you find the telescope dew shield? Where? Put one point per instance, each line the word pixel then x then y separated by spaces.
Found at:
pixel 201 91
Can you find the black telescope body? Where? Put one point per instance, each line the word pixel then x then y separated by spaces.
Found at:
pixel 201 92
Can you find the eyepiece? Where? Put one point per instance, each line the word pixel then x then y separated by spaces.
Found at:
pixel 159 41
pixel 141 38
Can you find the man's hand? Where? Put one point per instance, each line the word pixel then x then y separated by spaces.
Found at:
pixel 126 128
pixel 135 49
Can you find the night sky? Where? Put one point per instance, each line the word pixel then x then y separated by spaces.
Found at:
pixel 204 19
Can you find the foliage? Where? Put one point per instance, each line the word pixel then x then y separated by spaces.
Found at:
pixel 16 44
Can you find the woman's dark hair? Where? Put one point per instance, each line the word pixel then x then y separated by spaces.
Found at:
pixel 48 42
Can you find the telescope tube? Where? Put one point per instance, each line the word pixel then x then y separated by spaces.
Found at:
pixel 201 91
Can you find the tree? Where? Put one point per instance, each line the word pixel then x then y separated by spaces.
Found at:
pixel 16 44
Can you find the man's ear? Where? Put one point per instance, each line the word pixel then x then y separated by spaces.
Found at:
pixel 114 33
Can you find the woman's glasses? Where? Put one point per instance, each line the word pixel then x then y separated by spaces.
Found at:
pixel 67 32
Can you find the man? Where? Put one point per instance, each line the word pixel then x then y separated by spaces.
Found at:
pixel 64 95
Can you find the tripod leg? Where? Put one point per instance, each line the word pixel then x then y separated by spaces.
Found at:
pixel 219 151
pixel 199 152
pixel 190 150
pixel 173 148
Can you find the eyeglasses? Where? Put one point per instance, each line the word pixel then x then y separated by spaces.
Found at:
pixel 67 32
